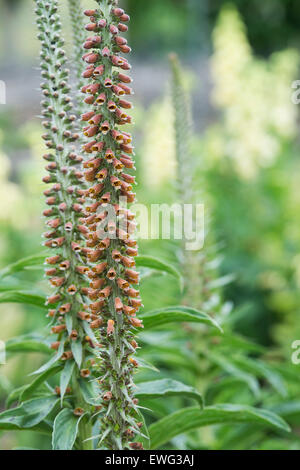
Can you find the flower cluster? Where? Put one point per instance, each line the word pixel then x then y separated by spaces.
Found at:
pixel 110 249
pixel 64 198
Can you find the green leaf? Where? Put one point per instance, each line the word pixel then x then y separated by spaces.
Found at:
pixel 158 265
pixel 191 418
pixel 65 377
pixel 65 430
pixel 52 361
pixel 22 264
pixel 167 388
pixel 29 414
pixel 143 364
pixel 27 343
pixel 179 314
pixel 13 284
pixel 23 297
pixel 89 391
pixel 233 370
pixel 239 343
pixel 76 348
pixel 89 331
pixel 289 410
pixel 30 389
pixel 261 369
pixel 14 395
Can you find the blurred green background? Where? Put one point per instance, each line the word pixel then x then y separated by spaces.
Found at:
pixel 240 61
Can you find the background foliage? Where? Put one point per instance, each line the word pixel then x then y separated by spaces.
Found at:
pixel 240 61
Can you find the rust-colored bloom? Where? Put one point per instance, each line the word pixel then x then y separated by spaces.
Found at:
pixel 111 288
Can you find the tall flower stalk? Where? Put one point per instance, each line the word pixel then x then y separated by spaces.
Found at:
pixel 110 248
pixel 191 261
pixel 200 268
pixel 64 199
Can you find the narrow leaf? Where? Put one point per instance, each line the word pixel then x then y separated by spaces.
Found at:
pixel 27 344
pixel 165 388
pixel 65 430
pixel 191 418
pixel 52 361
pixel 22 264
pixel 228 366
pixel 261 369
pixel 23 297
pixel 65 377
pixel 29 414
pixel 14 395
pixel 179 314
pixel 158 265
pixel 89 391
pixel 30 389
pixel 76 348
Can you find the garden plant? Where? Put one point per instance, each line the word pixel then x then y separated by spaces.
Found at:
pixel 119 375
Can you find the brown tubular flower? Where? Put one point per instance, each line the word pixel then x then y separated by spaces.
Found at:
pixel 105 151
pixel 64 202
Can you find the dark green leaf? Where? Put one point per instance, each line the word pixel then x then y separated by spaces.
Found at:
pixel 261 369
pixel 227 365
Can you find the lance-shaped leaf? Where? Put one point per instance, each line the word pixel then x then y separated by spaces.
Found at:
pixel 158 265
pixel 261 369
pixel 29 414
pixel 89 391
pixel 228 366
pixel 179 314
pixel 27 343
pixel 24 263
pixel 167 388
pixel 191 418
pixel 23 297
pixel 65 430
pixel 52 361
pixel 31 388
pixel 65 377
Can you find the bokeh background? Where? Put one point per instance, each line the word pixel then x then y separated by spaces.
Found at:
pixel 240 60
